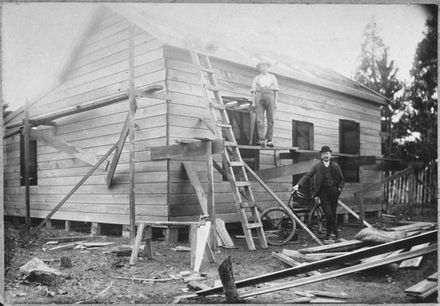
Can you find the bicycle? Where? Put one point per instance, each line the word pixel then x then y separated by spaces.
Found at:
pixel 280 227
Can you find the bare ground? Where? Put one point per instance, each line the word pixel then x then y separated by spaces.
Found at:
pixel 94 270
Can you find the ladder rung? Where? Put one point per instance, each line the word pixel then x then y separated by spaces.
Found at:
pixel 211 88
pixel 231 144
pixel 205 69
pixel 254 225
pixel 236 164
pixel 243 184
pixel 224 125
pixel 247 204
pixel 217 106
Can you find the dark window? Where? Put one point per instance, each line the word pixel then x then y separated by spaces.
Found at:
pixel 302 135
pixel 241 122
pixel 349 143
pixel 32 162
pixel 303 138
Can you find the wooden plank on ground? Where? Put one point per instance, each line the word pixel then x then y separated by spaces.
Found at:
pixel 413 262
pixel 336 273
pixel 343 246
pixel 319 256
pixel 411 227
pixel 421 287
pixel 291 262
pixel 287 170
pixel 63 146
pixel 196 149
pixel 329 262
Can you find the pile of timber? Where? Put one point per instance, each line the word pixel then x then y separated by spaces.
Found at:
pixel 423 289
pixel 358 254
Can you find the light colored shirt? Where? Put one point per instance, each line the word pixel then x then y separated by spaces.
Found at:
pixel 326 163
pixel 264 82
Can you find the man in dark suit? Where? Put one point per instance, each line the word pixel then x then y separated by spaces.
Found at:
pixel 328 184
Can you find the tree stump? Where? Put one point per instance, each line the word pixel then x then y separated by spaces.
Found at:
pixel 227 277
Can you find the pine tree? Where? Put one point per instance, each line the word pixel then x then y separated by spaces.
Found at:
pixel 419 114
pixel 377 72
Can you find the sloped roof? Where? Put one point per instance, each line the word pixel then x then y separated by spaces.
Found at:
pixel 178 34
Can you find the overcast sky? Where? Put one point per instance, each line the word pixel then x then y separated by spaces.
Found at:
pixel 37 36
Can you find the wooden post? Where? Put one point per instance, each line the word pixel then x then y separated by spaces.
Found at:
pixel 95 229
pixel 227 277
pixel 131 111
pixel 67 225
pixel 211 199
pixel 361 209
pixel 26 132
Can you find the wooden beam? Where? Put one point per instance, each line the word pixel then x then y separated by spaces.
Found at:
pixel 430 236
pixel 211 198
pixel 384 181
pixel 118 151
pixel 12 132
pixel 343 246
pixel 131 129
pixel 353 213
pixel 343 271
pixel 63 146
pixel 64 200
pixel 288 210
pixel 122 96
pixel 187 151
pixel 287 170
pixel 195 182
pixel 26 136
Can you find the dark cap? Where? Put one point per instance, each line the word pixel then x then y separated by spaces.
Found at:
pixel 325 149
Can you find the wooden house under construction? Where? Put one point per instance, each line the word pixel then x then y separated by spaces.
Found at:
pixel 316 107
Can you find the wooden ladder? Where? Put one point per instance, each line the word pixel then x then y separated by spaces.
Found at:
pixel 232 161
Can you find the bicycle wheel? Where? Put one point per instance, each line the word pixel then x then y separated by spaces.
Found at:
pixel 317 221
pixel 278 226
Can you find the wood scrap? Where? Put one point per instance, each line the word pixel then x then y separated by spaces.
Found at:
pixel 326 301
pixel 146 280
pixel 95 244
pixel 36 264
pixel 291 262
pixel 303 299
pixel 422 289
pixel 223 234
pixel 296 255
pixel 341 295
pixel 319 256
pixel 413 262
pixel 63 247
pixel 201 242
pixel 195 285
pixel 177 299
pixel 433 277
pixel 414 226
pixel 74 238
pixel 343 246
pixel 180 248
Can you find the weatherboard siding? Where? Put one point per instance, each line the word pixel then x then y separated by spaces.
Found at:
pixel 99 70
pixel 58 172
pixel 297 101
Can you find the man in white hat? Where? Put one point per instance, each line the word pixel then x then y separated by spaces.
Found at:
pixel 264 91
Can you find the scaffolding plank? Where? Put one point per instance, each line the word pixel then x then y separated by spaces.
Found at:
pixel 196 149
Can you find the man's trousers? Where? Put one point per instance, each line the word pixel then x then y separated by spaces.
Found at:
pixel 329 201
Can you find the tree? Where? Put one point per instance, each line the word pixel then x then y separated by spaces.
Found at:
pixel 377 72
pixel 419 110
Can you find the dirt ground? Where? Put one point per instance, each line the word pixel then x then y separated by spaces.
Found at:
pixel 95 270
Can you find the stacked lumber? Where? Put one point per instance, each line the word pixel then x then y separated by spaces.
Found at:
pixel 423 289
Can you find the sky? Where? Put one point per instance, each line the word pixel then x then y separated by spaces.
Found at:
pixel 36 37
